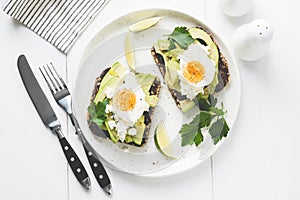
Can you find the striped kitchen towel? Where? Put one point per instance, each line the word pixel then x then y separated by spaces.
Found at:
pixel 60 22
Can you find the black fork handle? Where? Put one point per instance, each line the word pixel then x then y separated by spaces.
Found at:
pixel 75 124
pixel 93 158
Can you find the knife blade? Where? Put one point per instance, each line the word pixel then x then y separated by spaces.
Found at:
pixel 50 120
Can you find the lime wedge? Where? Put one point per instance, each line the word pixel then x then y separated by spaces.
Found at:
pixel 162 141
pixel 129 52
pixel 144 24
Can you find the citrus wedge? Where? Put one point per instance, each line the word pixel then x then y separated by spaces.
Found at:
pixel 144 24
pixel 162 141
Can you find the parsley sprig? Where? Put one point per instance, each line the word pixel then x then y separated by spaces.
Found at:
pixel 210 117
pixel 97 112
pixel 180 36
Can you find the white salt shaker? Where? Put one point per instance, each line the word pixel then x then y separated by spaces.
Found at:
pixel 251 41
pixel 235 8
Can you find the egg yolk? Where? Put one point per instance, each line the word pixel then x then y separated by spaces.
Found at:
pixel 194 72
pixel 125 100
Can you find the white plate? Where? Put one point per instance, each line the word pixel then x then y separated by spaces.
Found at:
pixel 148 161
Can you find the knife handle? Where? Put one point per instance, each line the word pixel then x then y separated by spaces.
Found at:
pixel 73 160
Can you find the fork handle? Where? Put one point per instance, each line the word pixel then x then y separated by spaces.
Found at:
pixel 93 158
pixel 97 167
pixel 75 124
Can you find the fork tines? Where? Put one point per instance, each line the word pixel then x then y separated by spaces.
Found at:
pixel 53 80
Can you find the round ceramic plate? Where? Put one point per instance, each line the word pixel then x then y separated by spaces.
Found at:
pixel 106 48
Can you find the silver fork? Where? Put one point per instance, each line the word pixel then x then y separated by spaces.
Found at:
pixel 63 97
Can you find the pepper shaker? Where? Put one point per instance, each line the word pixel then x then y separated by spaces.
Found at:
pixel 251 41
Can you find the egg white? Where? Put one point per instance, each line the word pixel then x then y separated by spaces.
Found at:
pixel 195 52
pixel 125 120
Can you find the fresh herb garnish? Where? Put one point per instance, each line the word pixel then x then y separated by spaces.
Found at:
pixel 180 36
pixel 97 112
pixel 210 117
pixel 218 130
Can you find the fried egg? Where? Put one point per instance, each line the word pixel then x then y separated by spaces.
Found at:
pixel 196 71
pixel 128 105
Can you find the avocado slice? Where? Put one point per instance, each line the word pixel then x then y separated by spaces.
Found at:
pixel 163 45
pixel 171 76
pixel 145 81
pixel 140 129
pixel 152 100
pixel 186 105
pixel 198 33
pixel 112 133
pixel 111 79
pixel 128 139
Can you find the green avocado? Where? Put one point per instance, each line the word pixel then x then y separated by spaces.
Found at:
pixel 112 79
pixel 198 33
pixel 186 105
pixel 171 76
pixel 163 45
pixel 152 100
pixel 140 129
pixel 128 139
pixel 146 81
pixel 112 133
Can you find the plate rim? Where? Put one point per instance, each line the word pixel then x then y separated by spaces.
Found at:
pixel 220 42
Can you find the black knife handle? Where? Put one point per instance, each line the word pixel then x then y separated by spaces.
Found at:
pixel 97 168
pixel 73 160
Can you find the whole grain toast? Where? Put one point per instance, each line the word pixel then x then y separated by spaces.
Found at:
pixel 154 90
pixel 223 71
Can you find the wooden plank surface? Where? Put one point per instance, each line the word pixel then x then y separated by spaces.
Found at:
pixel 261 159
pixel 32 162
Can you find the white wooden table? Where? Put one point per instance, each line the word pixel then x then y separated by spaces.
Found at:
pixel 260 160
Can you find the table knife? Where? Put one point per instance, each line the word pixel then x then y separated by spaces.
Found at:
pixel 49 118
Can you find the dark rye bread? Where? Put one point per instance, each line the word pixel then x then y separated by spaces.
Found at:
pixel 223 72
pixel 154 90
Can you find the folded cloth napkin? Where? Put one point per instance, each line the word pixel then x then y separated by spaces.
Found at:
pixel 60 22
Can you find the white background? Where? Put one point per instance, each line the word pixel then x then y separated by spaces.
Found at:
pixel 260 160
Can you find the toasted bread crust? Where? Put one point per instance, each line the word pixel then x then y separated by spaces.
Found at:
pixel 223 72
pixel 223 75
